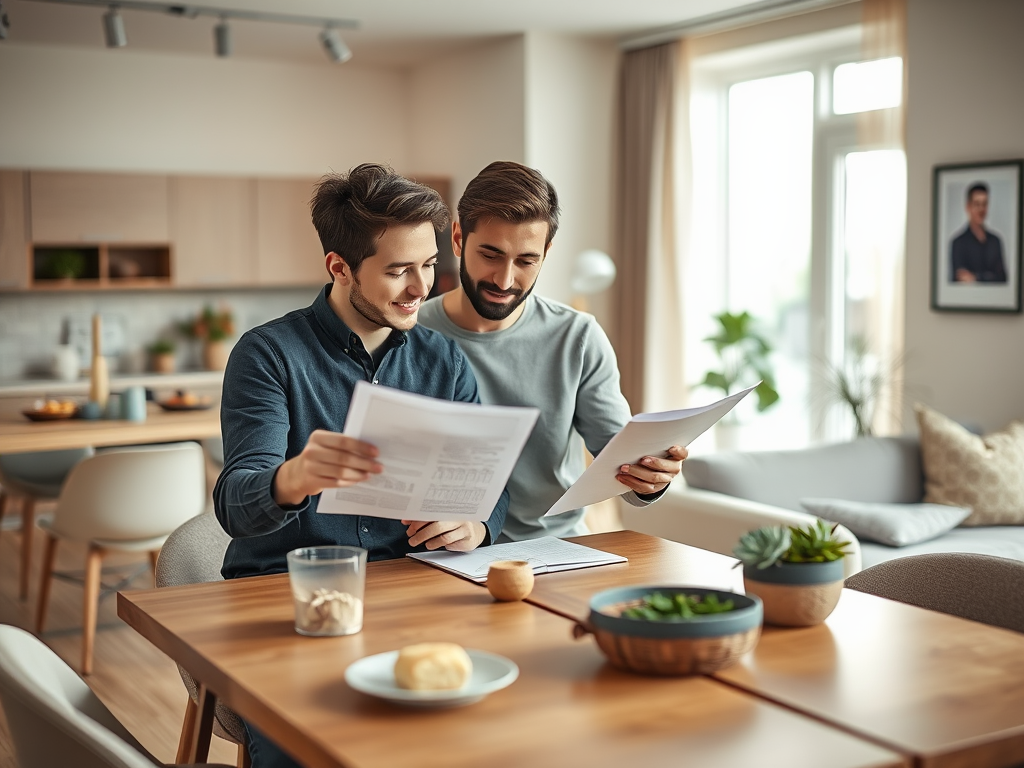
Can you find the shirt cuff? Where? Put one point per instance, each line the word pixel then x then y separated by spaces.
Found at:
pixel 635 499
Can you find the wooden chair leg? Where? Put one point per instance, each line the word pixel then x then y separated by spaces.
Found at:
pixel 244 761
pixel 199 749
pixel 45 581
pixel 90 604
pixel 153 555
pixel 28 526
pixel 188 727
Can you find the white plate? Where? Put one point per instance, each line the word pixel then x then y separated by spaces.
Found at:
pixel 375 675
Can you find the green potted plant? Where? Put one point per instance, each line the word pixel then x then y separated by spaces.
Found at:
pixel 65 264
pixel 743 354
pixel 161 353
pixel 213 328
pixel 858 383
pixel 796 571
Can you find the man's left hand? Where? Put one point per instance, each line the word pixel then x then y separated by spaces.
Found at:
pixel 652 473
pixel 453 536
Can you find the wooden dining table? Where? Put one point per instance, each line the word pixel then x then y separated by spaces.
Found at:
pixel 567 707
pixel 20 435
pixel 945 691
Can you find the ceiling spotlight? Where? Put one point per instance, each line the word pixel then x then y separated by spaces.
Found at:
pixel 113 28
pixel 335 46
pixel 222 38
pixel 5 23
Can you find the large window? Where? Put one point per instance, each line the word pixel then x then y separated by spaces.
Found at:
pixel 798 220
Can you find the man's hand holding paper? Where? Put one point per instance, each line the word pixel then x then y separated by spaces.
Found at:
pixel 652 474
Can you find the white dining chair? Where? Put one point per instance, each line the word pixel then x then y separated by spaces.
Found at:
pixel 26 479
pixel 194 554
pixel 127 500
pixel 53 717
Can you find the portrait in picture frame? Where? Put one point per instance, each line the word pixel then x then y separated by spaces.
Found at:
pixel 976 237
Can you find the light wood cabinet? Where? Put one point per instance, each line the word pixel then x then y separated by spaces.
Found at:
pixel 13 231
pixel 288 249
pixel 97 208
pixel 212 230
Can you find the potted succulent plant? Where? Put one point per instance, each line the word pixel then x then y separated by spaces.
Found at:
pixel 161 353
pixel 213 328
pixel 796 571
pixel 65 264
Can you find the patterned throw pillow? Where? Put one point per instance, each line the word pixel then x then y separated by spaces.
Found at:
pixel 964 470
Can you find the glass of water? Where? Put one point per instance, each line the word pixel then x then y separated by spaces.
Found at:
pixel 327 589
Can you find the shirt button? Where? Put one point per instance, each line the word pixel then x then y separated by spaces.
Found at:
pixel 346 351
pixel 365 529
pixel 374 381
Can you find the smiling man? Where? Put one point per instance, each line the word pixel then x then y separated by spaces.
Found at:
pixel 289 382
pixel 529 350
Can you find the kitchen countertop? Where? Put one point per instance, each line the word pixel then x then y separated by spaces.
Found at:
pixel 118 382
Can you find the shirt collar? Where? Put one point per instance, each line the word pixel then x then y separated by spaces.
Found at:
pixel 336 328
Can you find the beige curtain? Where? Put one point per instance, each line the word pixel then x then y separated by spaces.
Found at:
pixel 885 35
pixel 651 207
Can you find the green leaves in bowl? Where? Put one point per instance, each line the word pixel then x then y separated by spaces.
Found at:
pixel 658 606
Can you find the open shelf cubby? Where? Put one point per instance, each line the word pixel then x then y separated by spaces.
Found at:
pixel 102 265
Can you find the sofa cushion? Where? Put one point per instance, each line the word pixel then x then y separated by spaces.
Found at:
pixel 896 525
pixel 874 469
pixel 983 473
pixel 1001 541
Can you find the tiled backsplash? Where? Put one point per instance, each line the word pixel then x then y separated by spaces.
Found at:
pixel 33 324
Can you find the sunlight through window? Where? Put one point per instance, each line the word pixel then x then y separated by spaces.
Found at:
pixel 867 85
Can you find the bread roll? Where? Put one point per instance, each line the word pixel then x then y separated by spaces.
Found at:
pixel 433 667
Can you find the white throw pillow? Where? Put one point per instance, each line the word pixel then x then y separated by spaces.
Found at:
pixel 894 524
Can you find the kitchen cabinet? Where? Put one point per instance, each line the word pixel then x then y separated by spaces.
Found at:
pixel 288 250
pixel 13 231
pixel 212 221
pixel 97 208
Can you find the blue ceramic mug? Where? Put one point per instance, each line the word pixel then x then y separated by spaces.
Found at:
pixel 133 404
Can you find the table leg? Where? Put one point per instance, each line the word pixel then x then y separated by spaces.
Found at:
pixel 200 749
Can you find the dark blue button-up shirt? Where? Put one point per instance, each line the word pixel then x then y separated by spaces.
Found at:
pixel 294 375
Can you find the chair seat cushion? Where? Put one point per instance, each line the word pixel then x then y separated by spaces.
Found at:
pixel 895 525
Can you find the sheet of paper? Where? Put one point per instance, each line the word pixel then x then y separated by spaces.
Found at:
pixel 442 460
pixel 646 434
pixel 546 555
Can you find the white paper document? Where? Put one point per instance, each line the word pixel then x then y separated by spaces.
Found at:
pixel 546 555
pixel 646 434
pixel 442 460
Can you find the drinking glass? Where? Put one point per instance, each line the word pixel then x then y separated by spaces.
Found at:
pixel 327 589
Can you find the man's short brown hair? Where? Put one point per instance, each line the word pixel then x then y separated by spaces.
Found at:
pixel 352 210
pixel 510 192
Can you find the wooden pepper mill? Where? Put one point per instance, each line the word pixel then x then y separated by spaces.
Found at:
pixel 99 379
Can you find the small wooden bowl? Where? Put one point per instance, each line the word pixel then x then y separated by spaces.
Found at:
pixel 509 580
pixel 696 646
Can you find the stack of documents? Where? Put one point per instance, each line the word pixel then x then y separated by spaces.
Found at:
pixel 546 555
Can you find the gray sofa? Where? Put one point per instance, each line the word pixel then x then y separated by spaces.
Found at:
pixel 730 492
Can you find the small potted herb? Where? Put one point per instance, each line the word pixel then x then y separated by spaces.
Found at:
pixel 65 264
pixel 796 571
pixel 161 353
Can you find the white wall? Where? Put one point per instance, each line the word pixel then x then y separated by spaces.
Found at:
pixel 77 108
pixel 569 116
pixel 965 69
pixel 467 111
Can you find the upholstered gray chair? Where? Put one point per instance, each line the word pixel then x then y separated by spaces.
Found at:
pixel 977 587
pixel 28 478
pixel 193 554
pixel 53 717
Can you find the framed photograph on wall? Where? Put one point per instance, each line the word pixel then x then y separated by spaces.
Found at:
pixel 976 237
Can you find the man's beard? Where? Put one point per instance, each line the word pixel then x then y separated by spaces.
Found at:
pixel 366 309
pixel 490 310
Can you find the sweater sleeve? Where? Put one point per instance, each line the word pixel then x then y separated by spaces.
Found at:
pixel 254 423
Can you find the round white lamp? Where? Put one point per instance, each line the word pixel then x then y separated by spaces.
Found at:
pixel 593 272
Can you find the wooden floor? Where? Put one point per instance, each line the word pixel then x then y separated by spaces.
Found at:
pixel 138 683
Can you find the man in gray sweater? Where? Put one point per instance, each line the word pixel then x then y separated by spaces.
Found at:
pixel 529 350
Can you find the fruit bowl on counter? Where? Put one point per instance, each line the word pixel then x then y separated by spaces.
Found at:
pixel 186 401
pixel 51 410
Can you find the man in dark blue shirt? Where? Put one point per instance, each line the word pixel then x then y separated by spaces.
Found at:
pixel 976 254
pixel 288 383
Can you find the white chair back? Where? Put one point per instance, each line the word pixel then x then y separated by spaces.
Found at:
pixel 132 494
pixel 53 717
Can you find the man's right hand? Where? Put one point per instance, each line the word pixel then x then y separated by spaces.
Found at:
pixel 329 460
pixel 965 276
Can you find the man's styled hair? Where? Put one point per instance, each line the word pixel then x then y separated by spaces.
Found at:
pixel 978 186
pixel 510 192
pixel 352 210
